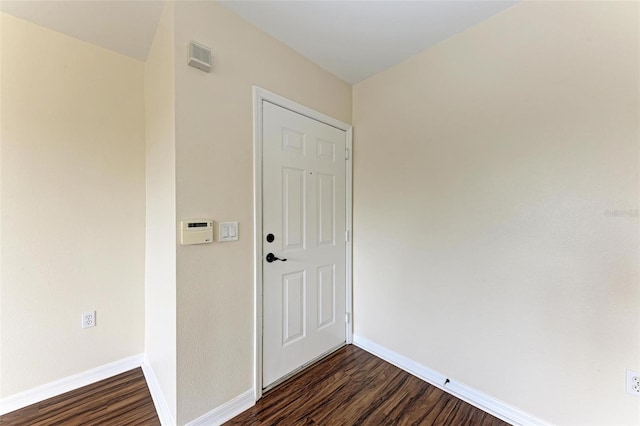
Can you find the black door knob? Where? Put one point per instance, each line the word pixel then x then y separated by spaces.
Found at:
pixel 272 258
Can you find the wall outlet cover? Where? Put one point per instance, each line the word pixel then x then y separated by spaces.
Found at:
pixel 633 383
pixel 89 319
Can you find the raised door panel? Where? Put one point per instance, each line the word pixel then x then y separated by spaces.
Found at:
pixel 293 208
pixel 326 282
pixel 326 209
pixel 294 307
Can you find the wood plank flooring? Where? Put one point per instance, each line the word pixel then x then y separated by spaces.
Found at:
pixel 120 400
pixel 350 387
pixel 353 387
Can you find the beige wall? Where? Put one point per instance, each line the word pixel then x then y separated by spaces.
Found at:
pixel 72 219
pixel 214 148
pixel 498 156
pixel 1 38
pixel 160 289
pixel 486 173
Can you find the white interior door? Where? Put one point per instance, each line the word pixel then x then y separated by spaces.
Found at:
pixel 304 222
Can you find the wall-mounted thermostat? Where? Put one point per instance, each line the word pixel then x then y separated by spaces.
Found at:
pixel 196 231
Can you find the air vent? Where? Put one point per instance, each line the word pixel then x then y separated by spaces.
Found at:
pixel 199 56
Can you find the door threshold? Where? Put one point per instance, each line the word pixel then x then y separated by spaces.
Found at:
pixel 301 369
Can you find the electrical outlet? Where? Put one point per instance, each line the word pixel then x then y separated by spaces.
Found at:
pixel 89 319
pixel 633 383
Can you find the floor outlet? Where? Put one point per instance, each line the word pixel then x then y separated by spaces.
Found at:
pixel 633 383
pixel 89 319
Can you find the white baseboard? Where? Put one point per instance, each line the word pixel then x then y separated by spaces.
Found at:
pixel 226 411
pixel 49 390
pixel 476 398
pixel 159 400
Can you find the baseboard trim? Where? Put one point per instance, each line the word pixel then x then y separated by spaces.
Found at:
pixel 474 397
pixel 226 411
pixel 159 400
pixel 58 387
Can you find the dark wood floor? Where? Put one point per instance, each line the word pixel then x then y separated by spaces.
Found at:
pixel 350 387
pixel 120 400
pixel 353 387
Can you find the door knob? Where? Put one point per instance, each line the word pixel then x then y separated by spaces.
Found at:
pixel 272 258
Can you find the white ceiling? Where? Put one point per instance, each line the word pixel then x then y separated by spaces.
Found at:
pixel 127 27
pixel 351 39
pixel 356 39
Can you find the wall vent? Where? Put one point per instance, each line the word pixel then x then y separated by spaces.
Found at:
pixel 199 56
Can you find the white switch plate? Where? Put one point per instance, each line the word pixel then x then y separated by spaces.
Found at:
pixel 227 231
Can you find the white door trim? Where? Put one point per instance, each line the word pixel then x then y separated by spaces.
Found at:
pixel 260 95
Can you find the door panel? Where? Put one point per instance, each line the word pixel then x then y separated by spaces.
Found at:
pixel 294 289
pixel 304 207
pixel 326 209
pixel 326 296
pixel 294 195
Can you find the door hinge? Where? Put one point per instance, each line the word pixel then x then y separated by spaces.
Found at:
pixel 346 236
pixel 346 317
pixel 346 154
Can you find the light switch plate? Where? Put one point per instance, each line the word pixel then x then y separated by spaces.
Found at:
pixel 227 231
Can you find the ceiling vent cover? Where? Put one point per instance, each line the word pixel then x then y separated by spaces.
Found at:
pixel 199 56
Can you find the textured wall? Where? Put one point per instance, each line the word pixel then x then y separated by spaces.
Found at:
pixel 214 155
pixel 72 219
pixel 496 209
pixel 160 265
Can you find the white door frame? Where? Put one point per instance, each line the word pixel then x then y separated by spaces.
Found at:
pixel 260 95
